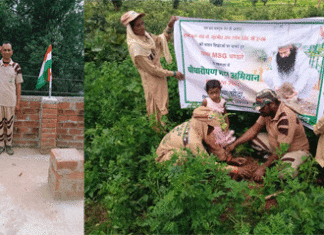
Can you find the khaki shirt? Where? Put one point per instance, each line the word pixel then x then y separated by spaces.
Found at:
pixel 319 130
pixel 10 75
pixel 285 127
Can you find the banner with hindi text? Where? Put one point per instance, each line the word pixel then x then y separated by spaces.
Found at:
pixel 249 56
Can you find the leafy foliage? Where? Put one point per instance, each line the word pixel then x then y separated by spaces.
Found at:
pixel 31 26
pixel 139 195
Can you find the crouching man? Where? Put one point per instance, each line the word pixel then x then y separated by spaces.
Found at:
pixel 282 125
pixel 193 134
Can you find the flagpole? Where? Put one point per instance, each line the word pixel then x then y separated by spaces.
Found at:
pixel 49 72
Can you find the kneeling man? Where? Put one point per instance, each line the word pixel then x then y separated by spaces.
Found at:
pixel 194 134
pixel 283 126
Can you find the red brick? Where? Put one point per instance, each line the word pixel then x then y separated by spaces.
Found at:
pixel 69 112
pixel 30 136
pixel 49 130
pixel 79 105
pixel 80 113
pixel 81 125
pixel 34 130
pixel 21 116
pixel 49 125
pixel 60 112
pixel 47 142
pixel 66 137
pixel 19 142
pixel 62 131
pixel 75 131
pixel 76 145
pixel 34 117
pixel 19 123
pixel 62 118
pixel 64 105
pixel 48 121
pixel 34 104
pixel 70 125
pixel 66 165
pixel 17 135
pixel 24 104
pixel 48 135
pixel 31 123
pixel 49 116
pixel 76 175
pixel 81 138
pixel 73 118
pixel 30 111
pixel 23 129
pixel 49 111
pixel 49 106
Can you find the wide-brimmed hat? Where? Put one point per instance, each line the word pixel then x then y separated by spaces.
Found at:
pixel 264 97
pixel 130 16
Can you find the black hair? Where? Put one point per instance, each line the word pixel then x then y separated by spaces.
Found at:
pixel 133 21
pixel 213 84
pixel 6 42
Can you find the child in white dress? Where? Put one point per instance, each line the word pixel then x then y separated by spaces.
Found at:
pixel 217 104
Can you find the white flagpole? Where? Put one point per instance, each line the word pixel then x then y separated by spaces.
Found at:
pixel 49 72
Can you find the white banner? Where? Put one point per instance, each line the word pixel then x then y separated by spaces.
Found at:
pixel 249 56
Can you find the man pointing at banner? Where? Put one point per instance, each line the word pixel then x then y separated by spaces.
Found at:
pixel 10 90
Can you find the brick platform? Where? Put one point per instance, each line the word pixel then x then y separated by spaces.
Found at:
pixel 66 174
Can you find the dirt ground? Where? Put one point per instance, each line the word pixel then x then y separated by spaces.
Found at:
pixel 26 206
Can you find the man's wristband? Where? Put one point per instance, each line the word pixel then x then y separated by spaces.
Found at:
pixel 174 73
pixel 235 170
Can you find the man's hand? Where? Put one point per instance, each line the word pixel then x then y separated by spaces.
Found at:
pixel 17 107
pixel 239 161
pixel 244 171
pixel 179 75
pixel 259 173
pixel 172 20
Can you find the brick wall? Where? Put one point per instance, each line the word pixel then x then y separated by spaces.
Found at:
pixel 48 123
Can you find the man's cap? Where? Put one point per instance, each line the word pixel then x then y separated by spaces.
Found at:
pixel 264 97
pixel 130 16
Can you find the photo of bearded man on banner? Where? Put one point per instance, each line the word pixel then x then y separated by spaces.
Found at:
pixel 290 67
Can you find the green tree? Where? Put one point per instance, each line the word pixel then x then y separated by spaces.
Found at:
pixel 216 2
pixel 31 26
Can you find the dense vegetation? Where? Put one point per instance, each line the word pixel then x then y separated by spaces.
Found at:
pixel 127 191
pixel 31 26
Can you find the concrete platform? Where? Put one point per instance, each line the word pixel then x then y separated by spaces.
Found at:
pixel 26 205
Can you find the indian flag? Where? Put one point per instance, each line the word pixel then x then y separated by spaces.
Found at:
pixel 45 73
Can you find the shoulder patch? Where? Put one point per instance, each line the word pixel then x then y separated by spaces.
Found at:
pixel 17 68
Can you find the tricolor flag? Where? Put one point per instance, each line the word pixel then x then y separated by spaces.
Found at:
pixel 45 73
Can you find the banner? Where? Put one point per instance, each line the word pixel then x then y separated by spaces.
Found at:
pixel 249 56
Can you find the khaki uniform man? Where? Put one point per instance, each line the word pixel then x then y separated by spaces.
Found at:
pixel 10 90
pixel 283 126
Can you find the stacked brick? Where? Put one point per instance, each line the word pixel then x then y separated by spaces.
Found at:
pixel 66 174
pixel 48 122
pixel 27 125
pixel 45 124
pixel 70 122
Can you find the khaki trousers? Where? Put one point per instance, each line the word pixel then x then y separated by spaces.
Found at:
pixel 7 116
pixel 261 143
